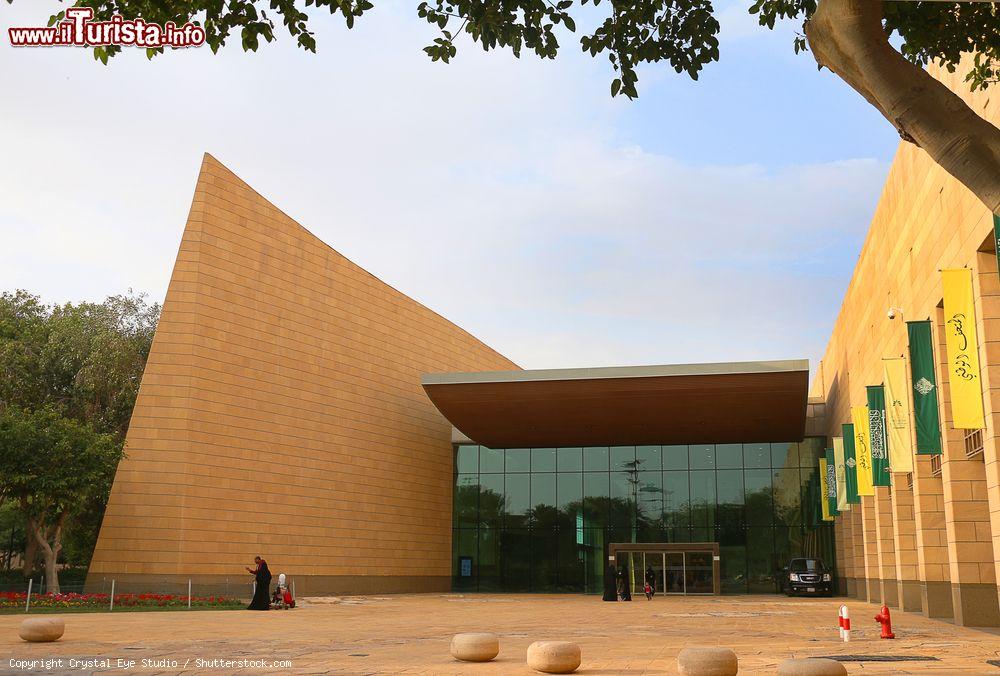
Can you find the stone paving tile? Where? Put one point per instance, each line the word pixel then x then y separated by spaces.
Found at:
pixel 409 634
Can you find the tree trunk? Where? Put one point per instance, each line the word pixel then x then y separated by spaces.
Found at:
pixel 30 551
pixel 847 37
pixel 50 542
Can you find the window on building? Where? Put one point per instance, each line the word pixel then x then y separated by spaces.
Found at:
pixel 935 465
pixel 909 479
pixel 541 519
pixel 973 443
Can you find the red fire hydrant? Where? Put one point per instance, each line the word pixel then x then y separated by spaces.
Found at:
pixel 885 620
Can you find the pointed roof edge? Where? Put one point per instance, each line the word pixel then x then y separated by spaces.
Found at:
pixel 208 157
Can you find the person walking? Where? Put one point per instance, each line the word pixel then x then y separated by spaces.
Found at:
pixel 262 576
pixel 624 584
pixel 610 583
pixel 650 587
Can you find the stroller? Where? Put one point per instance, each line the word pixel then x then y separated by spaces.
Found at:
pixel 282 599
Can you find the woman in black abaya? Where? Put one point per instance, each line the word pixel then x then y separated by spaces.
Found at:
pixel 610 583
pixel 625 586
pixel 261 592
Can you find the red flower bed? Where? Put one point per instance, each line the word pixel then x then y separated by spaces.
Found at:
pixel 72 600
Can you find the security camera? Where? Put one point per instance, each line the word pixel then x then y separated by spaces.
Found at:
pixel 893 311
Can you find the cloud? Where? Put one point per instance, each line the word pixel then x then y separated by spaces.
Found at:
pixel 507 195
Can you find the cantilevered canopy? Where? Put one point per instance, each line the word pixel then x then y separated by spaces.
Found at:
pixel 681 404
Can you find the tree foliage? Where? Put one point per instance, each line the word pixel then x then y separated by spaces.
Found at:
pixel 53 465
pixel 682 33
pixel 84 360
pixel 69 376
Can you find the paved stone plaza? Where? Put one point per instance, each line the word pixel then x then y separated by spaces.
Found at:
pixel 411 634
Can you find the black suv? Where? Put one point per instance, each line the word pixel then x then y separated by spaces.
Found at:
pixel 807 576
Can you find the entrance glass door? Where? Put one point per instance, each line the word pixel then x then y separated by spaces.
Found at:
pixel 674 573
pixel 699 577
pixel 655 564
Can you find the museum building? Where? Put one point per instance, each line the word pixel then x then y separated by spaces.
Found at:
pixel 296 407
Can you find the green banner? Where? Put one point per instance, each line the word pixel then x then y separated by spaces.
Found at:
pixel 925 401
pixel 996 237
pixel 876 428
pixel 851 466
pixel 831 482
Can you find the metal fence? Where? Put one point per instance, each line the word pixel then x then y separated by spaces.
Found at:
pixel 34 594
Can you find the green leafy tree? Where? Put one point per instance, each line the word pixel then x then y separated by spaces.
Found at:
pixel 53 467
pixel 853 38
pixel 84 362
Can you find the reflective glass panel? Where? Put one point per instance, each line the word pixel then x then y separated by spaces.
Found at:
pixel 595 501
pixel 703 500
pixel 515 559
pixel 623 457
pixel 702 457
pixel 518 460
pixel 466 459
pixel 569 459
pixel 676 500
pixel 784 455
pixel 787 487
pixel 624 487
pixel 674 457
pixel 490 460
pixel 733 568
pixel 729 456
pixel 809 452
pixel 595 459
pixel 648 457
pixel 543 492
pixel 757 455
pixel 730 498
pixel 759 509
pixel 517 500
pixel 465 555
pixel 543 460
pixel 569 488
pixel 491 499
pixel 650 493
pixel 466 498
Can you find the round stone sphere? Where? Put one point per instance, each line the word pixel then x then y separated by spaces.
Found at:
pixel 554 657
pixel 707 662
pixel 475 647
pixel 811 666
pixel 42 629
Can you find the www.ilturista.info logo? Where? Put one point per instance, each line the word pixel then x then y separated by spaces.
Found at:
pixel 79 30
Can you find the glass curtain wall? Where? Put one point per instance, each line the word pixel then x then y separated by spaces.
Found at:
pixel 540 519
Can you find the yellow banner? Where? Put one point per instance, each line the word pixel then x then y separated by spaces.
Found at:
pixel 963 350
pixel 840 469
pixel 897 415
pixel 824 493
pixel 862 450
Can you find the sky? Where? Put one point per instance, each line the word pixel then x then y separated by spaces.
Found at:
pixel 717 220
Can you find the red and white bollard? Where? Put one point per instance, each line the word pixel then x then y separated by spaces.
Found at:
pixel 844 618
pixel 885 620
